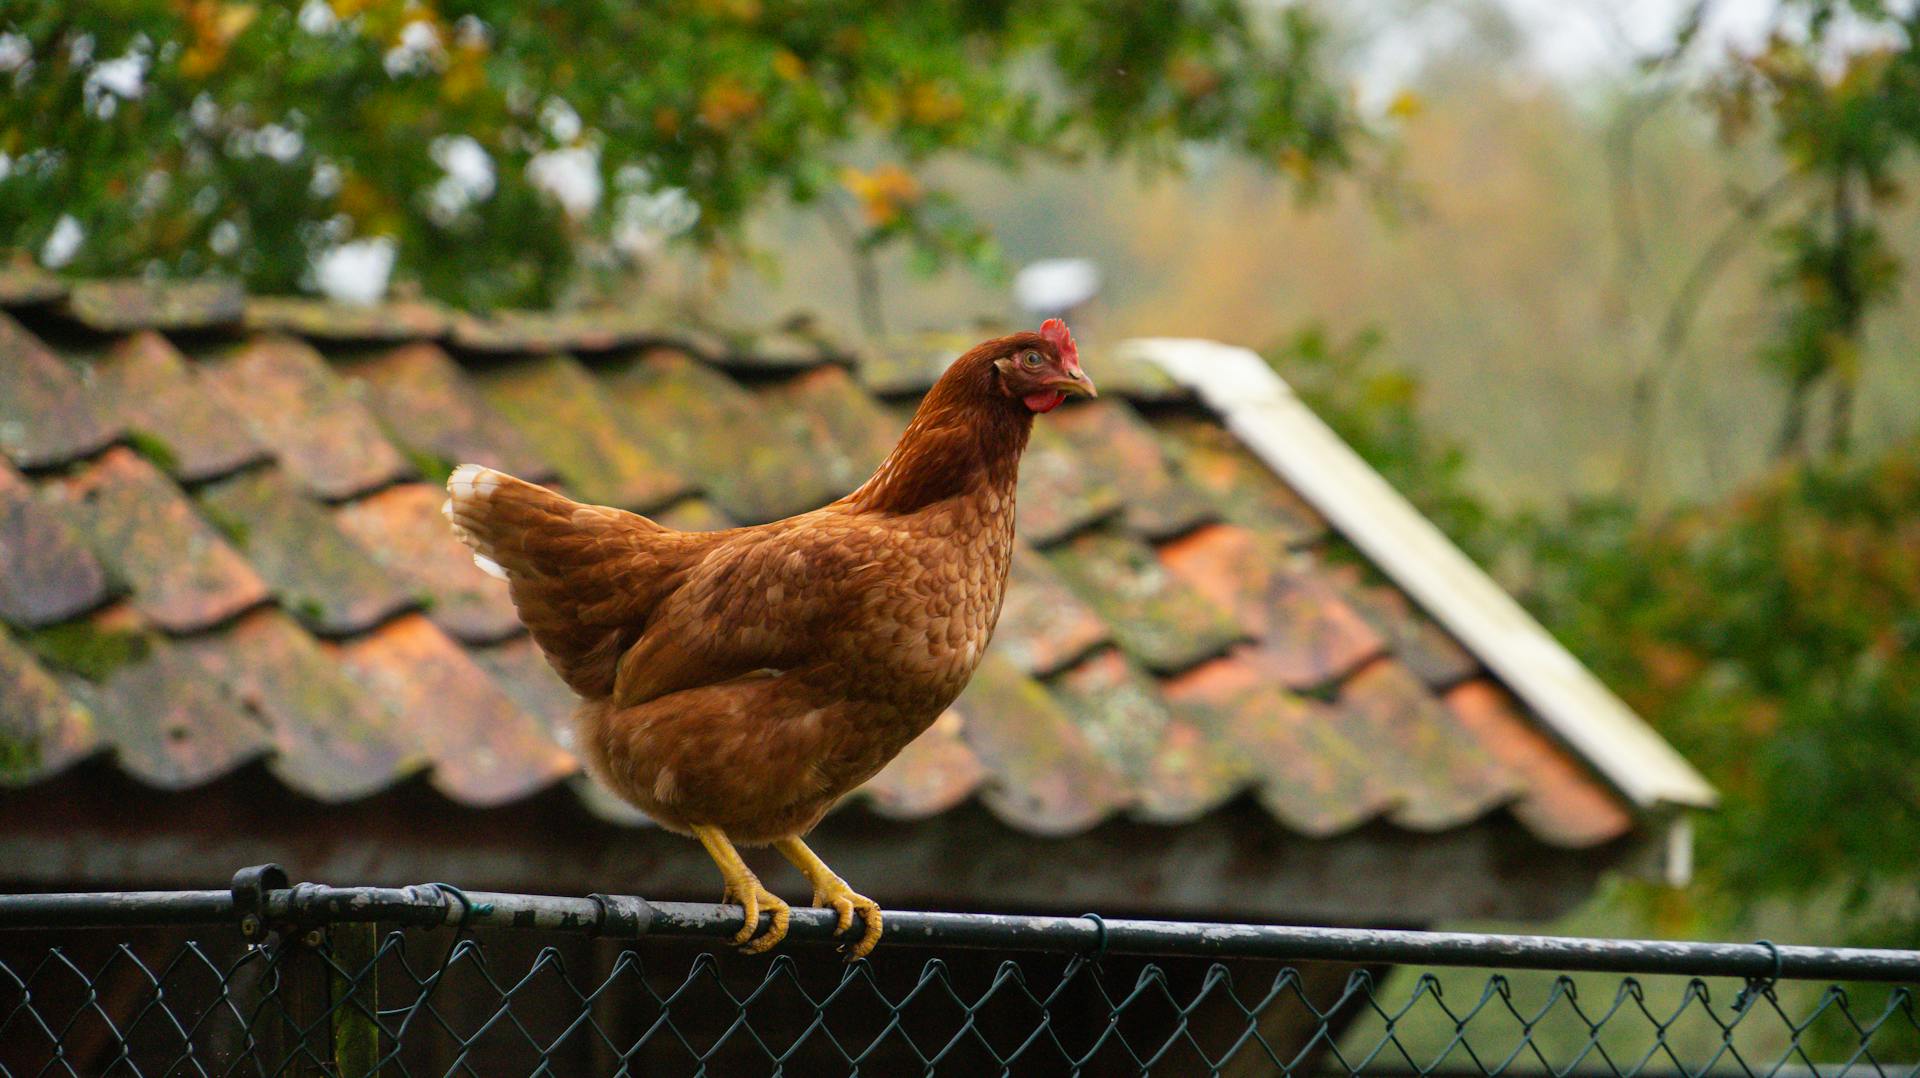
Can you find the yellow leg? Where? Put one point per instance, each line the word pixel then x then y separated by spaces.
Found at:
pixel 744 887
pixel 830 890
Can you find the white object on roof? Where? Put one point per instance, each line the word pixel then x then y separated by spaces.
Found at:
pixel 1262 410
pixel 1054 286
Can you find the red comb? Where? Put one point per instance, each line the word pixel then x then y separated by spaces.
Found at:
pixel 1055 331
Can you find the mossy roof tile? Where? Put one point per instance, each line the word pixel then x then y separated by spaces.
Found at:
pixel 564 413
pixel 1305 771
pixel 168 720
pixel 1157 617
pixel 401 528
pixel 935 772
pixel 47 417
pixel 320 430
pixel 1109 439
pixel 1307 635
pixel 168 408
pixel 1058 497
pixel 47 571
pixel 1171 590
pixel 757 464
pixel 43 730
pixel 1043 625
pixel 1442 776
pixel 332 739
pixel 1245 490
pixel 317 319
pixel 1046 777
pixel 182 573
pixel 317 573
pixel 434 414
pixel 484 749
pixel 121 306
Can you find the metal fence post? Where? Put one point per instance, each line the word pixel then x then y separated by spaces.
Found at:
pixel 354 991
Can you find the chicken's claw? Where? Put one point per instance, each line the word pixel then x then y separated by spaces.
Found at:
pixel 753 898
pixel 845 900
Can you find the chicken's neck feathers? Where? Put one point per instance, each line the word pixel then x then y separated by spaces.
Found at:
pixel 949 450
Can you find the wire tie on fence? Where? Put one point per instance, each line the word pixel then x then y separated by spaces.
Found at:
pixel 1099 937
pixel 469 909
pixel 1757 985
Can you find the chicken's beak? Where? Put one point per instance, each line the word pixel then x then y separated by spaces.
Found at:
pixel 1076 384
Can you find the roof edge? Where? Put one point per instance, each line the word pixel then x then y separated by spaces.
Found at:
pixel 1266 415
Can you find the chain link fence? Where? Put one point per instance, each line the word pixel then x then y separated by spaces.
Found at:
pixel 358 982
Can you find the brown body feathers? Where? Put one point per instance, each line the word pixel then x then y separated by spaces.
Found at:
pixel 747 679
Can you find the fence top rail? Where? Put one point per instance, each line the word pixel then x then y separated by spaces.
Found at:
pixel 261 899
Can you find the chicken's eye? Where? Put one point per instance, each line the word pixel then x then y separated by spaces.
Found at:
pixel 1031 360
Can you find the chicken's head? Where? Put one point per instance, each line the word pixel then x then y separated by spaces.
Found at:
pixel 1042 369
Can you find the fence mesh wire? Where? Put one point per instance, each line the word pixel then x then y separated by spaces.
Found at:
pixel 353 1002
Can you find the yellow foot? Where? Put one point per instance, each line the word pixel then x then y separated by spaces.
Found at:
pixel 744 887
pixel 753 898
pixel 830 891
pixel 846 900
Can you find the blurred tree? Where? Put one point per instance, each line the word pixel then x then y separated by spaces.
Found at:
pixel 1839 84
pixel 500 148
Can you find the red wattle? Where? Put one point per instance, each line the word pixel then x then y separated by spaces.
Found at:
pixel 1044 401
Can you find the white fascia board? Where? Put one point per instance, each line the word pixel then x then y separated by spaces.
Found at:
pixel 1262 410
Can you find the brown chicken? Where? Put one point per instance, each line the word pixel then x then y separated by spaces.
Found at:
pixel 735 684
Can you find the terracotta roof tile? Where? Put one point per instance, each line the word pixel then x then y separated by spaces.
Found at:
pixel 125 305
pixel 519 668
pixel 1117 707
pixel 1564 803
pixel 434 414
pixel 1157 617
pixel 1108 438
pixel 1246 491
pixel 1307 634
pixel 909 366
pixel 856 432
pixel 1168 669
pixel 1442 775
pixel 321 432
pixel 694 416
pixel 183 574
pixel 1058 496
pixel 168 720
pixel 317 319
pixel 43 730
pixel 933 774
pixel 402 529
pixel 151 390
pixel 485 750
pixel 24 284
pixel 532 332
pixel 47 573
pixel 332 739
pixel 564 414
pixel 1309 775
pixel 1415 639
pixel 1043 624
pixel 46 416
pixel 776 351
pixel 325 579
pixel 1176 771
pixel 1046 777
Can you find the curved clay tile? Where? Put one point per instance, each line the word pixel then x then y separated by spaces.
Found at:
pixel 485 750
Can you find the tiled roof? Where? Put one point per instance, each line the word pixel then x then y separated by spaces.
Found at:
pixel 220 542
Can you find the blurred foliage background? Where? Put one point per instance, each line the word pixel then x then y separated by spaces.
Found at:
pixel 1641 338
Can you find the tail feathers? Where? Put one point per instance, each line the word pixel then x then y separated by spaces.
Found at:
pixel 476 496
